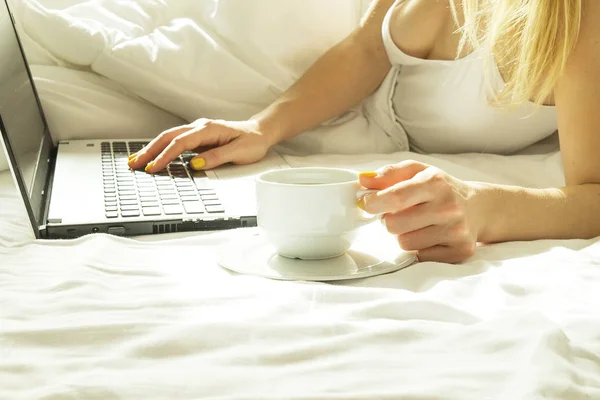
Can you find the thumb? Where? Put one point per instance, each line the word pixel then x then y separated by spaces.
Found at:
pixel 392 174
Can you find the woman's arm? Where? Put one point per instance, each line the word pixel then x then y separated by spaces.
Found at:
pixel 340 79
pixel 574 210
pixel 442 217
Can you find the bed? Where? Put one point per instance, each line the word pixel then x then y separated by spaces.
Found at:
pixel 105 317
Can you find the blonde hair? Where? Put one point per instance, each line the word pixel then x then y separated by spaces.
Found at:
pixel 531 39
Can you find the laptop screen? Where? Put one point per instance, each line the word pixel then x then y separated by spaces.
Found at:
pixel 21 119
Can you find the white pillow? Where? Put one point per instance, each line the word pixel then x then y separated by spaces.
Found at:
pixel 83 105
pixel 206 58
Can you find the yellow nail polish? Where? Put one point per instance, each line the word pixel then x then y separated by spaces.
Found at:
pixel 133 156
pixel 361 204
pixel 131 160
pixel 198 163
pixel 368 174
pixel 150 165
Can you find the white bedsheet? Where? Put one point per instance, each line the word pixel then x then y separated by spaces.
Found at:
pixel 156 318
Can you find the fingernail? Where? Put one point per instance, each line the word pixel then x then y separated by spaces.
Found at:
pixel 361 204
pixel 198 163
pixel 131 157
pixel 150 165
pixel 131 161
pixel 368 174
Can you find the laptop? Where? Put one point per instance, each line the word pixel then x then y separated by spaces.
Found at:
pixel 78 187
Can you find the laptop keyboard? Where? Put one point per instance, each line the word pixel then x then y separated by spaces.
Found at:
pixel 172 192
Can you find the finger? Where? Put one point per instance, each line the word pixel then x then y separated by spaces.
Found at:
pixel 401 196
pixel 216 156
pixel 434 235
pixel 391 174
pixel 447 254
pixel 154 148
pixel 199 137
pixel 202 149
pixel 416 217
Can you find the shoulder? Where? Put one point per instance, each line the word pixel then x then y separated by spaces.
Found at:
pixel 585 57
pixel 589 34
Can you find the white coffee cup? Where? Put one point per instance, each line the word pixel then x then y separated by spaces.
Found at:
pixel 310 213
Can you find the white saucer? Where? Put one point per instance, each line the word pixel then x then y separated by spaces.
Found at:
pixel 252 254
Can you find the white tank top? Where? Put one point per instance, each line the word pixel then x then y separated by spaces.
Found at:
pixel 443 105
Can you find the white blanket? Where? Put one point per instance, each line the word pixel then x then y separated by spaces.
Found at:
pixel 156 318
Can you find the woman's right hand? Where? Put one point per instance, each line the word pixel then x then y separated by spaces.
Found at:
pixel 216 142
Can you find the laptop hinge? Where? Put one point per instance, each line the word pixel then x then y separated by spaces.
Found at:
pixel 43 232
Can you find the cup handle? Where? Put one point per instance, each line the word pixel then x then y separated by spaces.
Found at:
pixel 366 220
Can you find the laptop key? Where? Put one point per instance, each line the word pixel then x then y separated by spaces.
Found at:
pixel 129 203
pixel 150 204
pixel 212 203
pixel 169 202
pixel 165 185
pixel 132 213
pixel 189 198
pixel 127 198
pixel 129 207
pixel 206 197
pixel 111 209
pixel 193 208
pixel 148 211
pixel 215 209
pixel 112 214
pixel 173 209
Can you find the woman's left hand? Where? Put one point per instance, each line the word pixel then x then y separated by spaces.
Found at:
pixel 428 210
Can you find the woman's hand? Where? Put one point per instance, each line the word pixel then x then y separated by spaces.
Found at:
pixel 428 210
pixel 217 142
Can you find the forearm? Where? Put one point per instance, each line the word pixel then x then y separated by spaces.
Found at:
pixel 510 213
pixel 340 79
pixel 343 77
